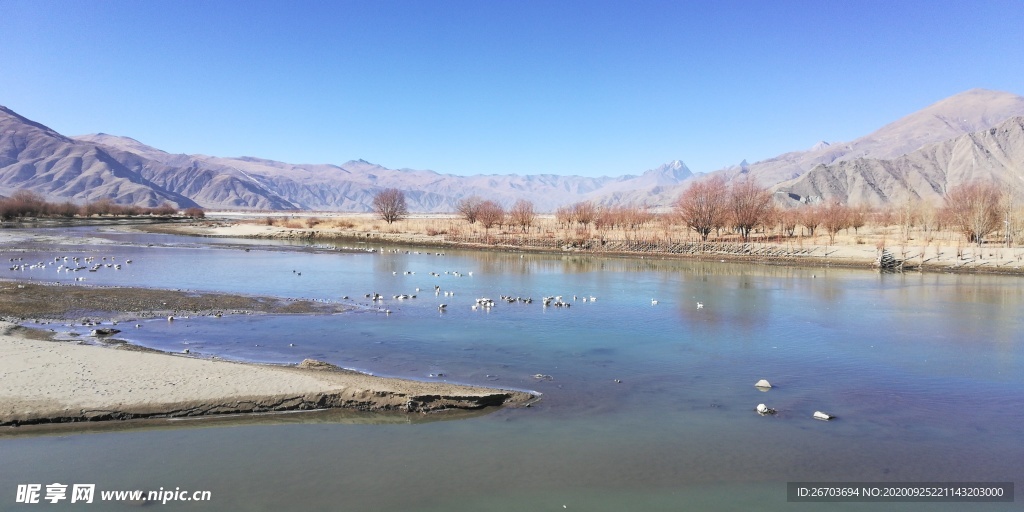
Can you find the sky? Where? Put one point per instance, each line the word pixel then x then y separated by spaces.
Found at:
pixel 589 88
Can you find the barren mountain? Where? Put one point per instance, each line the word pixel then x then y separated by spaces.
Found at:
pixel 656 187
pixel 352 185
pixel 991 155
pixel 971 111
pixel 36 158
pixel 909 157
pixel 967 112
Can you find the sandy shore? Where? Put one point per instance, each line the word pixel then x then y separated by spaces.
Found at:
pixel 49 381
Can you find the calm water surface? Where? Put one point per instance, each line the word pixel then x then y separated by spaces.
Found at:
pixel 923 371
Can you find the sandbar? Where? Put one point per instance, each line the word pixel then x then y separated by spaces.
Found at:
pixel 59 381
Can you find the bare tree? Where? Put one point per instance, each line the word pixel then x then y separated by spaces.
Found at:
pixel 469 208
pixel 973 208
pixel 928 218
pixel 634 217
pixel 584 212
pixel 788 219
pixel 165 210
pixel 906 214
pixel 23 203
pixel 66 209
pixel 749 204
pixel 390 205
pixel 1008 202
pixel 563 216
pixel 835 217
pixel 858 217
pixel 522 214
pixel 198 213
pixel 810 218
pixel 702 206
pixel 490 214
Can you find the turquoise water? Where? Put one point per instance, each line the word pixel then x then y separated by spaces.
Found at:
pixel 924 373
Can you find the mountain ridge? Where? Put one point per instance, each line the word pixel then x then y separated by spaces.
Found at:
pixel 992 155
pixel 94 166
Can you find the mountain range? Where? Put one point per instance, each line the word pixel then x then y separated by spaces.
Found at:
pixel 978 134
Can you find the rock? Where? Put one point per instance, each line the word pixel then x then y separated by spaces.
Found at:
pixel 818 415
pixel 104 332
pixel 313 364
pixel 764 410
pixel 763 385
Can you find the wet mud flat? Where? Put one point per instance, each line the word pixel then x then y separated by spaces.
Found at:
pixel 23 301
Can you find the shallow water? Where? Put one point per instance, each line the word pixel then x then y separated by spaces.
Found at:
pixel 923 372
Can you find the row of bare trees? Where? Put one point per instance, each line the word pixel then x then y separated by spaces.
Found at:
pixel 585 214
pixel 975 209
pixel 489 213
pixel 714 204
pixel 27 204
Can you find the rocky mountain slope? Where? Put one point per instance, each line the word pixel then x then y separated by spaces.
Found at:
pixel 991 155
pixel 34 157
pixel 969 112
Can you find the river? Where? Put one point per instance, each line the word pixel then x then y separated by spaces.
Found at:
pixel 647 379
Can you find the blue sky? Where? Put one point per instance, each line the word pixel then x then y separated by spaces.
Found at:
pixel 497 87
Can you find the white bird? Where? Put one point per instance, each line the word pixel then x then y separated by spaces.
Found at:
pixel 654 302
pixel 700 305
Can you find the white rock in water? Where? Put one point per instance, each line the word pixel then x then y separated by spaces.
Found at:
pixel 818 415
pixel 763 409
pixel 763 384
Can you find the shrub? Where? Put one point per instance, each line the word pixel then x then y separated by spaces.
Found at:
pixel 195 213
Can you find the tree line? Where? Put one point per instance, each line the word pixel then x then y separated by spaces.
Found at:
pixel 27 204
pixel 742 207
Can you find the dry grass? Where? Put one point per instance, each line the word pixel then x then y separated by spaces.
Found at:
pixel 660 229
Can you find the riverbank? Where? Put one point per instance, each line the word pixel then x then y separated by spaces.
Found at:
pixel 850 252
pixel 58 381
